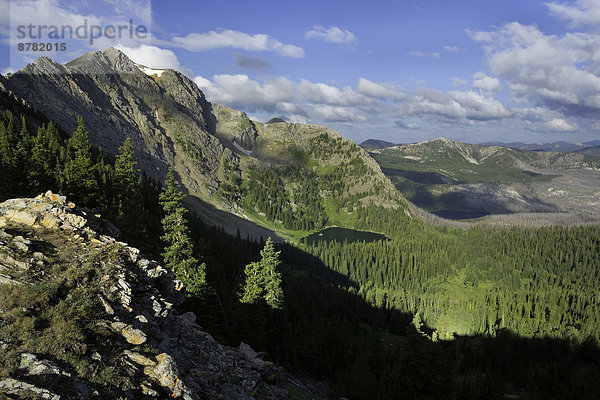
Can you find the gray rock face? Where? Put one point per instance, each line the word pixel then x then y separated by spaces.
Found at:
pixel 161 354
pixel 164 116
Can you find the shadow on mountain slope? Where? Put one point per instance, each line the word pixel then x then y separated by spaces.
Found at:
pixel 328 332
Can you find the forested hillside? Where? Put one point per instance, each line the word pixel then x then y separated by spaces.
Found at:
pixel 427 313
pixel 458 180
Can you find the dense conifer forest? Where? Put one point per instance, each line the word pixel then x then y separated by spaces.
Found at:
pixel 430 312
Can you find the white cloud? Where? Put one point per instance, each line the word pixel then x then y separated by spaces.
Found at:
pixel 560 125
pixel 582 12
pixel 417 53
pixel 456 81
pixel 333 113
pixel 333 34
pixel 297 119
pixel 39 13
pixel 379 90
pixel 368 101
pixel 486 83
pixel 282 96
pixel 234 39
pixel 453 49
pixel 460 105
pixel 406 125
pixel 561 72
pixel 153 57
pixel 239 91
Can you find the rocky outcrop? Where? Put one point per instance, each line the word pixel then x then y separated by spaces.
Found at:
pixel 158 353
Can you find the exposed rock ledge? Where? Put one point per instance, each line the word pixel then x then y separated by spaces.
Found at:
pixel 136 300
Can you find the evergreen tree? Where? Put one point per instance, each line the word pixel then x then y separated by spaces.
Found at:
pixel 178 255
pixel 80 181
pixel 263 280
pixel 128 189
pixel 45 155
pixel 253 288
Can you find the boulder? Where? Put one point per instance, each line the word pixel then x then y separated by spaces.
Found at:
pixel 131 334
pixel 167 374
pixel 26 390
pixel 251 355
pixel 31 365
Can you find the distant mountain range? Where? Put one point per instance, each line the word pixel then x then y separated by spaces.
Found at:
pixel 376 144
pixel 591 147
pixel 460 180
pixel 552 146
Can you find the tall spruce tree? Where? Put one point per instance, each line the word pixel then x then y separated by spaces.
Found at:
pixel 128 190
pixel 263 279
pixel 45 156
pixel 80 181
pixel 178 253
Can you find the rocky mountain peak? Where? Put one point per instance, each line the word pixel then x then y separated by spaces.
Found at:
pixel 43 66
pixel 102 317
pixel 109 61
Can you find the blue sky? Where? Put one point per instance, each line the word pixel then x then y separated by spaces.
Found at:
pixel 401 71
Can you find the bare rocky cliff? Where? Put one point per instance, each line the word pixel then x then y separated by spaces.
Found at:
pixel 85 316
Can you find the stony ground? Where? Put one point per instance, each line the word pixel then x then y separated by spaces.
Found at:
pixel 85 316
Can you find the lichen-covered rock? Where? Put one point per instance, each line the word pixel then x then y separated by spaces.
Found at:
pixel 167 374
pixel 51 211
pixel 26 390
pixel 31 365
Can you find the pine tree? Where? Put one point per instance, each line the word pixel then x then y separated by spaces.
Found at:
pixel 253 288
pixel 79 176
pixel 128 189
pixel 45 154
pixel 178 255
pixel 263 280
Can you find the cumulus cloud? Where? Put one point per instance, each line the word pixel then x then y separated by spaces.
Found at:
pixel 456 81
pixel 153 57
pixel 379 90
pixel 313 101
pixel 418 53
pixel 560 125
pixel 247 62
pixel 40 13
pixel 368 101
pixel 582 12
pixel 239 91
pixel 558 71
pixel 465 105
pixel 484 82
pixel 297 119
pixel 237 40
pixel 333 34
pixel 406 125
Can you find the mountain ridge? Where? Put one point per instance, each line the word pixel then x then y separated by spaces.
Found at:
pixel 122 336
pixel 559 146
pixel 454 178
pixel 212 148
